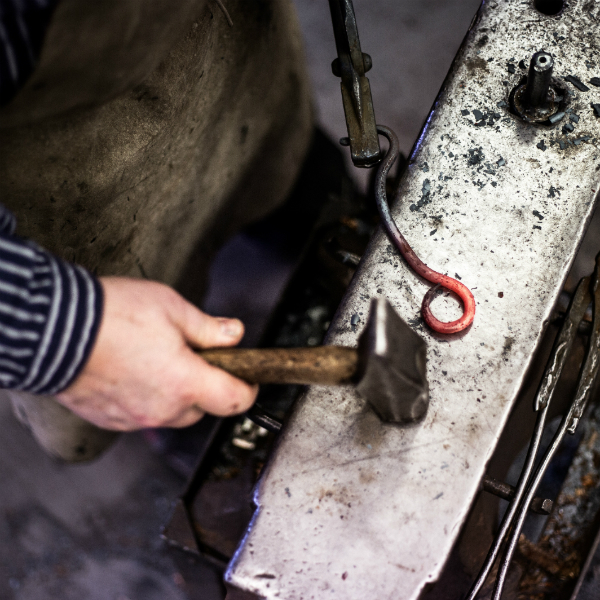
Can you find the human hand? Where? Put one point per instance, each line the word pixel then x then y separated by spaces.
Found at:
pixel 142 371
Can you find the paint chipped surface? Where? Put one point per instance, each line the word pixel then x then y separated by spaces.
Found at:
pixel 508 203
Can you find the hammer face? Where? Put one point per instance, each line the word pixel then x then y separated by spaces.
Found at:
pixel 392 366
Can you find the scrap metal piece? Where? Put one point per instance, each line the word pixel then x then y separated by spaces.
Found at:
pixel 351 65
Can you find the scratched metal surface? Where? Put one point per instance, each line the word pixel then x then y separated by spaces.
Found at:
pixel 353 509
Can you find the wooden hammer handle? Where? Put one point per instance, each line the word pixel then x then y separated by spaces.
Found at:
pixel 322 365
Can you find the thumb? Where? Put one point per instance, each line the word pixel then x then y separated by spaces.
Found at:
pixel 203 331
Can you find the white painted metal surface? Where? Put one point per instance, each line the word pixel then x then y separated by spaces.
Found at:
pixel 349 508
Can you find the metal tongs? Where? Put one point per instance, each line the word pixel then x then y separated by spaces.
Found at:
pixel 351 65
pixel 588 290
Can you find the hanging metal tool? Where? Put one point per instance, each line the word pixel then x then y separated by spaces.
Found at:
pixel 363 138
pixel 351 65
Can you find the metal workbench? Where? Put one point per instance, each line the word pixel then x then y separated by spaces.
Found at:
pixel 350 508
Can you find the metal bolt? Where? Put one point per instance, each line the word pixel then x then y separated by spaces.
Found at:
pixel 538 81
pixel 541 506
pixel 537 101
pixel 367 61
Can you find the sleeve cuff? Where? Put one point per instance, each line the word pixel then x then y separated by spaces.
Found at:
pixel 73 319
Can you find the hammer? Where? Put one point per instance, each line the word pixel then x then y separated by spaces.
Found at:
pixel 388 368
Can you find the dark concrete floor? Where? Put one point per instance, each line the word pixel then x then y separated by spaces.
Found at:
pixel 92 532
pixel 89 532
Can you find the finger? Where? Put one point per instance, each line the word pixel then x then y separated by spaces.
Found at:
pixel 203 331
pixel 190 416
pixel 215 391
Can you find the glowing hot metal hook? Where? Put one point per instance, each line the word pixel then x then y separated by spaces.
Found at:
pixel 416 264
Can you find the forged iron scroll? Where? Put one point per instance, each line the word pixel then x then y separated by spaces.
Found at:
pixel 414 262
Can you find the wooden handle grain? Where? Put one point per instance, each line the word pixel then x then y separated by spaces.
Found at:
pixel 323 365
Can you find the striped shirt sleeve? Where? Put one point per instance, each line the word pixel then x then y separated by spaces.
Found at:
pixel 50 312
pixel 23 25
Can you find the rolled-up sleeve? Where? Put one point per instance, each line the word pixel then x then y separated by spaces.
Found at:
pixel 50 312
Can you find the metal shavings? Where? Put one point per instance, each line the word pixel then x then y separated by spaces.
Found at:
pixel 464 112
pixel 511 69
pixel 476 156
pixel 595 81
pixel 542 146
pixel 478 115
pixel 354 320
pixel 556 117
pixel 577 83
pixel 573 117
pixel 596 108
pixel 567 128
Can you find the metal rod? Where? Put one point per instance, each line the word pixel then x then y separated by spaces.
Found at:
pixel 541 506
pixel 257 414
pixel 520 519
pixel 554 368
pixel 569 423
pixel 592 361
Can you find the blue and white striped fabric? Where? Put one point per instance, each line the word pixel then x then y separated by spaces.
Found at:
pixel 23 24
pixel 50 312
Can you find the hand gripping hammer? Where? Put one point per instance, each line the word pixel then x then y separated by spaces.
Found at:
pixel 388 367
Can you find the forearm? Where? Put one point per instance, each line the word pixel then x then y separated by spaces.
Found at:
pixel 50 312
pixel 118 352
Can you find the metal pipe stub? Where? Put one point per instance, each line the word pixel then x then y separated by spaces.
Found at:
pixel 536 100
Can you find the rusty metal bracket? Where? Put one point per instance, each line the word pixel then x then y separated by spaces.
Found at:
pixel 351 65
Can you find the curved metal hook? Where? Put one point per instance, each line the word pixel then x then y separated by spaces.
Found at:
pixel 415 263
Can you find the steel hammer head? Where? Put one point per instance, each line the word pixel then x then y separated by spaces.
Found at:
pixel 392 366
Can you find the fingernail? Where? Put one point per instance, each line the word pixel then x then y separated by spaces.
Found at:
pixel 232 328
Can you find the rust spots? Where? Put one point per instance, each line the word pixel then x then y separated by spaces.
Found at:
pixel 476 65
pixel 508 344
pixel 340 495
pixel 366 476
